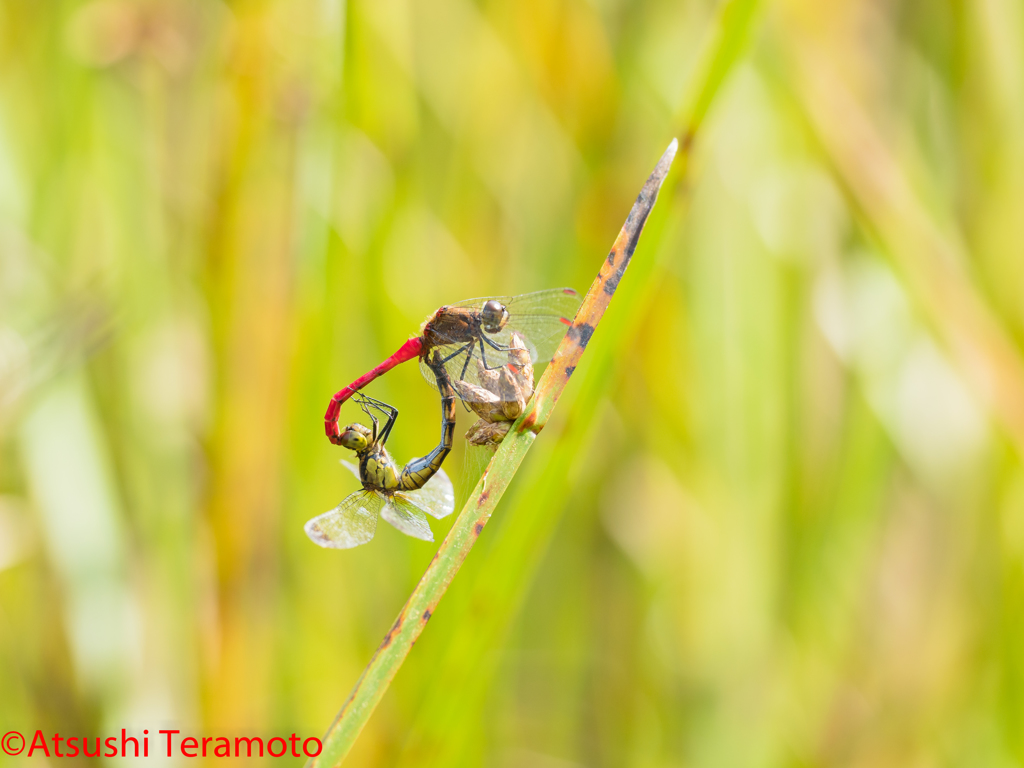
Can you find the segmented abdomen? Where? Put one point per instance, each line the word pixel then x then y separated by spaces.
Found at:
pixel 417 472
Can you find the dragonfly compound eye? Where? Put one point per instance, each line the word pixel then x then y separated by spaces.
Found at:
pixel 494 316
pixel 353 437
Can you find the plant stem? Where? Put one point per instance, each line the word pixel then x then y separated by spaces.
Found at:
pixel 397 643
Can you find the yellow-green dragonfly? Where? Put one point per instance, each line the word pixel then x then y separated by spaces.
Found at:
pixel 402 496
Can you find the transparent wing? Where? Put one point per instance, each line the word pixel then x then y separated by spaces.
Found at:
pixel 436 498
pixel 541 318
pixel 465 367
pixel 542 333
pixel 351 468
pixel 351 523
pixel 462 366
pixel 553 301
pixel 407 517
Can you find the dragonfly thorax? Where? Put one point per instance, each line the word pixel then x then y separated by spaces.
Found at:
pixel 493 316
pixel 377 470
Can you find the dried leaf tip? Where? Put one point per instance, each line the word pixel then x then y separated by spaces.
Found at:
pixel 661 169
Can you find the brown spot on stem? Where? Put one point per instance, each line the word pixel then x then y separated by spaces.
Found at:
pixel 396 627
pixel 612 281
pixel 611 257
pixel 638 227
pixel 478 528
pixel 581 334
pixel 426 615
pixel 569 370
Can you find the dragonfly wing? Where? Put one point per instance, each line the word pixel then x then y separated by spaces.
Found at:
pixel 551 301
pixel 541 334
pixel 351 523
pixel 475 378
pixel 407 517
pixel 541 318
pixel 436 498
pixel 561 302
pixel 479 301
pixel 462 367
pixel 428 374
pixel 351 468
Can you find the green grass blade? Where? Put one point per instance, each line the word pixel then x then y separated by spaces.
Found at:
pixel 397 643
pixel 928 257
pixel 444 726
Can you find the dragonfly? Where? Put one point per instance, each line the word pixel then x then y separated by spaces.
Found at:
pixel 403 496
pixel 474 330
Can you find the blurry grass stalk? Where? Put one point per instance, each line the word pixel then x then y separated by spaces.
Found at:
pixel 477 511
pixel 928 257
pixel 726 41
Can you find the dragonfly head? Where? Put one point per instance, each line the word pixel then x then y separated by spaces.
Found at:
pixel 356 437
pixel 493 316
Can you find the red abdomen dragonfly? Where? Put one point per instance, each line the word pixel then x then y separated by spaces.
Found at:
pixel 475 335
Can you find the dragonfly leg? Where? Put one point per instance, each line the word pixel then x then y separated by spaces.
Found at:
pixel 492 343
pixel 457 352
pixel 389 411
pixel 465 367
pixel 468 350
pixel 483 356
pixel 392 418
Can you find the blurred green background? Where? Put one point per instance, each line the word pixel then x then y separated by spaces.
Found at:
pixel 777 517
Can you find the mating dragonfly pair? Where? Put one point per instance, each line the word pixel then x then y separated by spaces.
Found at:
pixel 479 351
